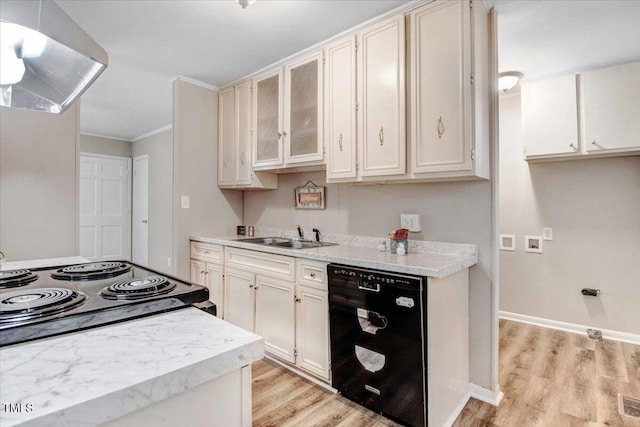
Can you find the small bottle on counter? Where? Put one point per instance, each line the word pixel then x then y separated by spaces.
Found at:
pixel 251 231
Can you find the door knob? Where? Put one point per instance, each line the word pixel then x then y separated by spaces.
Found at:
pixel 144 221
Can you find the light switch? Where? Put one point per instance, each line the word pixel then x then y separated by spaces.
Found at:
pixel 547 233
pixel 411 222
pixel 185 202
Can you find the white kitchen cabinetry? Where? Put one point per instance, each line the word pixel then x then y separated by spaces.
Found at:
pixel 585 115
pixel 312 318
pixel 340 118
pixel 381 98
pixel 288 115
pixel 239 298
pixel 449 90
pixel 207 270
pixel 610 101
pixel 365 123
pixel 234 139
pixel 550 117
pixel 275 316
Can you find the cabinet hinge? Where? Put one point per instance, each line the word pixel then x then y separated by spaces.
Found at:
pixel 356 45
pixel 470 4
pixel 473 78
pixel 357 166
pixel 295 352
pixel 324 150
pixel 251 132
pixel 473 154
pixel 357 106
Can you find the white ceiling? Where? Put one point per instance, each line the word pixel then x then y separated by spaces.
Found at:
pixel 217 42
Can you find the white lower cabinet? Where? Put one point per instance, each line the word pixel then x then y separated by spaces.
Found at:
pixel 207 270
pixel 284 300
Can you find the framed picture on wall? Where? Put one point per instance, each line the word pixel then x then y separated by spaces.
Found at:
pixel 310 196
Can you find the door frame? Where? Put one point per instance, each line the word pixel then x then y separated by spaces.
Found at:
pixel 129 187
pixel 133 162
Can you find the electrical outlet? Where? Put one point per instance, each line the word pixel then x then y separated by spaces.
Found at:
pixel 547 233
pixel 185 202
pixel 411 222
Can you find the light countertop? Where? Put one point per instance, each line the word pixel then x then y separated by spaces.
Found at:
pixel 431 259
pixel 90 377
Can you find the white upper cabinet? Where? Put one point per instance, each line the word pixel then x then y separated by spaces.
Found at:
pixel 550 117
pixel 586 115
pixel 611 108
pixel 381 98
pixel 449 90
pixel 225 137
pixel 288 115
pixel 234 141
pixel 340 117
pixel 267 116
pixel 303 110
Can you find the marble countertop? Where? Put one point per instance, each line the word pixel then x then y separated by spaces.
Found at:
pixel 38 263
pixel 432 259
pixel 91 377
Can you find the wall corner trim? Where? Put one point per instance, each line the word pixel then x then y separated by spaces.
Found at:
pixel 570 327
pixel 484 394
pixel 153 132
pixel 196 82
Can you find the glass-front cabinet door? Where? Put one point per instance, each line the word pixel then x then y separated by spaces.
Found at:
pixel 267 113
pixel 303 118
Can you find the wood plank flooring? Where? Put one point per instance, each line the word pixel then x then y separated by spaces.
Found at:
pixel 550 379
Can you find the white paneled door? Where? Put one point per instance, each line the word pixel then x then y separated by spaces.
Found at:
pixel 105 207
pixel 140 218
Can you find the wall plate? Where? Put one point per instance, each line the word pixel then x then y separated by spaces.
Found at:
pixel 533 244
pixel 507 242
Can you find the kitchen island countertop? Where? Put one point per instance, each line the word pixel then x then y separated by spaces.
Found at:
pixel 435 259
pixel 94 376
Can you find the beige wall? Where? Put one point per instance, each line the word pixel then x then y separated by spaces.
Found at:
pixel 106 146
pixel 38 183
pixel 451 212
pixel 159 148
pixel 195 134
pixel 593 207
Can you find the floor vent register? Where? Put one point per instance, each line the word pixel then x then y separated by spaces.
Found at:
pixel 629 406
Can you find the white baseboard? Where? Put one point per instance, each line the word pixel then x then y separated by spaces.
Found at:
pixel 484 394
pixel 571 327
pixel 456 413
pixel 302 374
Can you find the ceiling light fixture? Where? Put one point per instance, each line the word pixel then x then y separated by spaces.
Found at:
pixel 508 80
pixel 245 3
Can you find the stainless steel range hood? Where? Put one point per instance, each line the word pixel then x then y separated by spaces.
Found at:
pixel 48 61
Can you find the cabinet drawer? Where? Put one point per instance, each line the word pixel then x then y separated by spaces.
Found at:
pixel 207 252
pixel 312 273
pixel 278 266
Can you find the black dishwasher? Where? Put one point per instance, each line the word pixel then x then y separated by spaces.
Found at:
pixel 378 340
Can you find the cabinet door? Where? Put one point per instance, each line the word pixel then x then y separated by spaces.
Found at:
pixel 243 123
pixel 225 137
pixel 239 298
pixel 441 87
pixel 198 271
pixel 267 120
pixel 312 330
pixel 303 107
pixel 550 116
pixel 340 120
pixel 214 283
pixel 275 319
pixel 381 94
pixel 611 108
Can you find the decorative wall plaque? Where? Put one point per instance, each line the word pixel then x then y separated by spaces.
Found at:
pixel 310 196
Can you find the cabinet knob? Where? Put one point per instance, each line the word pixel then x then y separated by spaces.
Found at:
pixel 572 145
pixel 202 272
pixel 279 135
pixel 440 127
pixel 381 135
pixel 296 299
pixel 284 134
pixel 250 286
pixel 340 142
pixel 312 275
pixel 206 272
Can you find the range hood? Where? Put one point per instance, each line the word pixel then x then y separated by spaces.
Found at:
pixel 47 61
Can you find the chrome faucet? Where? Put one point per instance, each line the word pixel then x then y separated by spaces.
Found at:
pixel 315 230
pixel 300 232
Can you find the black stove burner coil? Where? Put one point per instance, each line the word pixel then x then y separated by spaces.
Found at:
pixel 93 271
pixel 27 304
pixel 138 288
pixel 16 278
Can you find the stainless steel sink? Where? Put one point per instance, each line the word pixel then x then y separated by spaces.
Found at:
pixel 282 242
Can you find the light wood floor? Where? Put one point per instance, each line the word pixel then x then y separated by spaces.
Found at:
pixel 550 379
